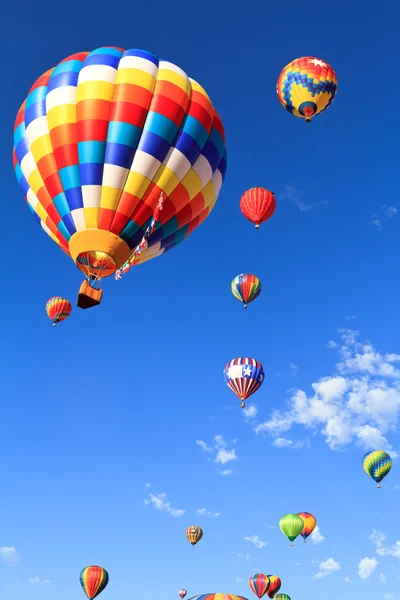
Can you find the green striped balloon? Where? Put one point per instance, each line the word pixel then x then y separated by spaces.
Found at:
pixel 291 525
pixel 282 597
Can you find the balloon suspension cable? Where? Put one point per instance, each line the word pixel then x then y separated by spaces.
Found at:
pixel 143 245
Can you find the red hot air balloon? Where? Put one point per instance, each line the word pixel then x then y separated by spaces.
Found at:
pixel 93 581
pixel 182 593
pixel 274 585
pixel 259 584
pixel 58 309
pixel 258 205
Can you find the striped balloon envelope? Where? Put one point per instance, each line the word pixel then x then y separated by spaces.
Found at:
pixel 274 585
pixel 259 584
pixel 310 523
pixel 58 309
pixel 377 465
pixel 246 288
pixel 218 596
pixel 100 139
pixel 244 376
pixel 93 581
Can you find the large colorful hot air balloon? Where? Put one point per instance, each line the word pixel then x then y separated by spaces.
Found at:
pixel 182 593
pixel 244 376
pixel 194 534
pixel 99 139
pixel 291 525
pixel 282 597
pixel 246 288
pixel 259 584
pixel 274 585
pixel 218 596
pixel 58 309
pixel 93 581
pixel 310 523
pixel 377 465
pixel 258 205
pixel 306 87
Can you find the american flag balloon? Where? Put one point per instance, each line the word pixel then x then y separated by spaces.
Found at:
pixel 182 593
pixel 244 376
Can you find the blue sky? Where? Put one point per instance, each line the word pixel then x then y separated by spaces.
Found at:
pixel 132 393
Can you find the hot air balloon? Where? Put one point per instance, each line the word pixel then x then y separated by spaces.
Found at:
pixel 58 309
pixel 244 376
pixel 97 142
pixel 194 534
pixel 306 87
pixel 93 581
pixel 246 288
pixel 218 596
pixel 258 205
pixel 310 523
pixel 259 584
pixel 282 597
pixel 291 525
pixel 377 465
pixel 274 585
pixel 182 593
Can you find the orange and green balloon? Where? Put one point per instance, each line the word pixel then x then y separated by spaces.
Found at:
pixel 310 522
pixel 93 581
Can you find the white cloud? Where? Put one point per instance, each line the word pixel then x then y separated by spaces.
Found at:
pixel 382 578
pixel 147 485
pixel 294 368
pixel 160 502
pixel 222 455
pixel 366 567
pixel 360 403
pixel 255 540
pixel 226 472
pixel 202 512
pixel 377 223
pixel 390 211
pixel 250 412
pixel 296 197
pixel 238 580
pixel 203 446
pixel 326 568
pixel 282 442
pixel 351 317
pixel 316 537
pixel 9 555
pixel 245 556
pixel 347 579
pixel 38 580
pixel 378 539
pixel 389 597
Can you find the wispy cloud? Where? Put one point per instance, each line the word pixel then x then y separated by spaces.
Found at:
pixel 222 454
pixel 9 555
pixel 202 512
pixel 238 580
pixel 250 412
pixel 326 568
pixel 382 578
pixel 359 403
pixel 282 442
pixel 366 567
pixel 38 581
pixel 378 538
pixel 390 211
pixel 244 556
pixel 376 223
pixel 294 368
pixel 293 195
pixel 255 540
pixel 160 502
pixel 387 211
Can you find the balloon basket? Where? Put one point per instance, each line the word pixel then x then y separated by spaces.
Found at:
pixel 88 296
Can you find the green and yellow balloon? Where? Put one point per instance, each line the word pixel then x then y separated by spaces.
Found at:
pixel 377 465
pixel 282 597
pixel 291 525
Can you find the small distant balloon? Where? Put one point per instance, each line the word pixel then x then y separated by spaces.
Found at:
pixel 291 525
pixel 282 597
pixel 310 523
pixel 377 465
pixel 194 534
pixel 182 593
pixel 259 584
pixel 246 288
pixel 244 376
pixel 58 309
pixel 306 87
pixel 93 581
pixel 258 205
